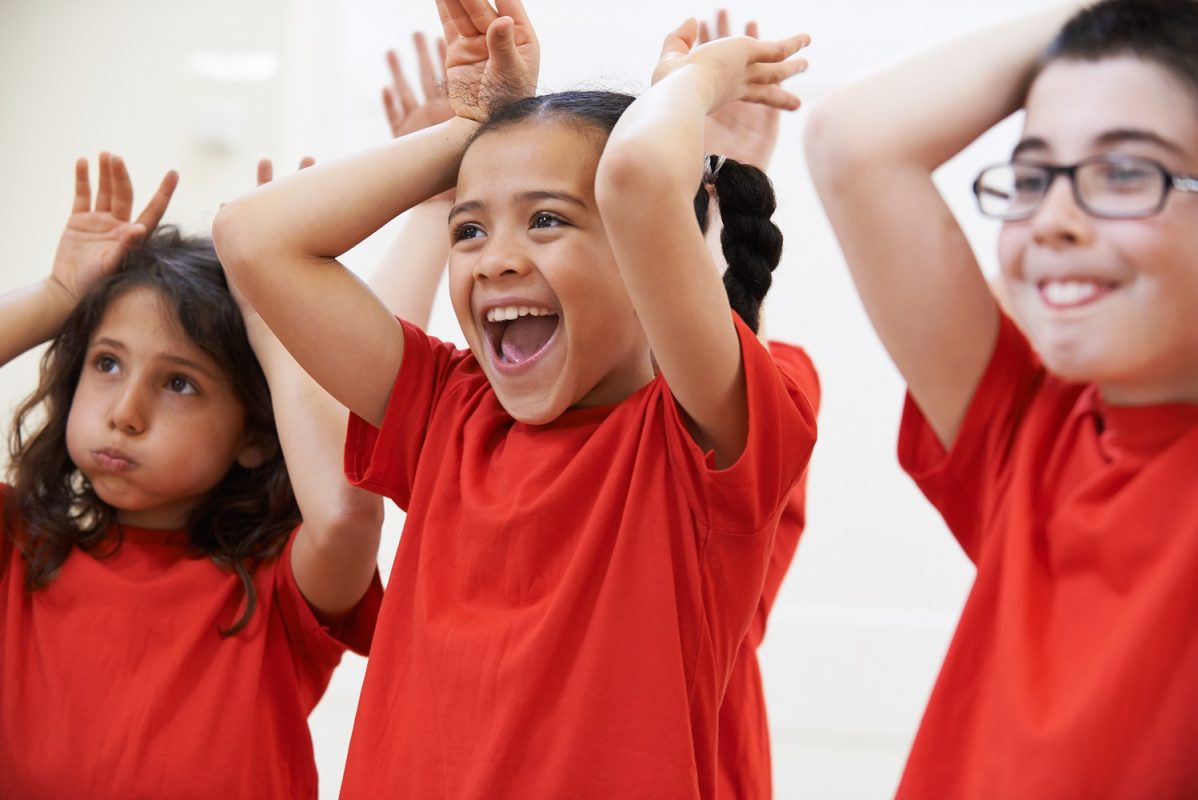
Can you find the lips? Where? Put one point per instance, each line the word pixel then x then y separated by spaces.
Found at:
pixel 113 460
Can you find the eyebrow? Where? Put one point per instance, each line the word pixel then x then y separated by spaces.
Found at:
pixel 523 197
pixel 182 361
pixel 1107 139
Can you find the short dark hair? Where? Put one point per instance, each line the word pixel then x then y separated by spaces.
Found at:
pixel 247 516
pixel 752 243
pixel 1164 32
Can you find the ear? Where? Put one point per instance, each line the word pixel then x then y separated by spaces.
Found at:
pixel 257 451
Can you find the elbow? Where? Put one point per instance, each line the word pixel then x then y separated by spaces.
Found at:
pixel 634 169
pixel 356 517
pixel 234 241
pixel 835 144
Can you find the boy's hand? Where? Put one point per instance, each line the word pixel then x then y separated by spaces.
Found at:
pixel 405 112
pixel 743 131
pixel 96 239
pixel 736 68
pixel 492 56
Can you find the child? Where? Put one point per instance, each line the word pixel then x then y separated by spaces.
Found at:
pixel 167 622
pixel 1064 458
pixel 585 542
pixel 747 132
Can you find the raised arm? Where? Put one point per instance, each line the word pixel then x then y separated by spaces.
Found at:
pixel 654 159
pixel 92 245
pixel 280 243
pixel 336 550
pixel 411 270
pixel 872 148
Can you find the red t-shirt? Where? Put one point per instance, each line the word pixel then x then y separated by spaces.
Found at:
pixel 116 683
pixel 567 599
pixel 744 743
pixel 1074 669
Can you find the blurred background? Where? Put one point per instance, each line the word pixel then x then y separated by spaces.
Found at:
pixel 867 610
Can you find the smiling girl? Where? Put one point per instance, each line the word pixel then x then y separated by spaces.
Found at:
pixel 1062 452
pixel 586 541
pixel 166 621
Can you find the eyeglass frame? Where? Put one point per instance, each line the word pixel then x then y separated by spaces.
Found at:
pixel 1170 181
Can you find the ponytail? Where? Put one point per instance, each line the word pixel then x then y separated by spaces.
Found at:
pixel 751 242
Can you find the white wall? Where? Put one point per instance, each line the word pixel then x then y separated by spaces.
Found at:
pixel 865 615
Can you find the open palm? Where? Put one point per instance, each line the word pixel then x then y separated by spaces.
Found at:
pixel 491 56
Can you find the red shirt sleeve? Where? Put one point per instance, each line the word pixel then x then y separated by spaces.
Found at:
pixel 316 646
pixel 962 481
pixel 746 496
pixel 386 464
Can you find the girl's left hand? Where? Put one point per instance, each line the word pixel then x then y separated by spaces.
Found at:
pixel 736 67
pixel 492 55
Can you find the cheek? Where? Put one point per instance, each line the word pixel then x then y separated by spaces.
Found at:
pixel 1012 240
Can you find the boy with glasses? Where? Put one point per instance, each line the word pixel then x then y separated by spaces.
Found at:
pixel 1063 456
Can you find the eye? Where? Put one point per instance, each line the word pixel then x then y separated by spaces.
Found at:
pixel 105 363
pixel 1127 176
pixel 543 219
pixel 467 230
pixel 180 385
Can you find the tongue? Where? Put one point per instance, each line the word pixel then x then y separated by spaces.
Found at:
pixel 524 337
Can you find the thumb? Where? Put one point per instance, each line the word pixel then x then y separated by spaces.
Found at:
pixel 501 40
pixel 680 40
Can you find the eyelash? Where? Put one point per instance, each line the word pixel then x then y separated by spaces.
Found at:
pixel 462 233
pixel 106 364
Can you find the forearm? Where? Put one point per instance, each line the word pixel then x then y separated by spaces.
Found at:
pixel 30 316
pixel 407 279
pixel 925 110
pixel 335 556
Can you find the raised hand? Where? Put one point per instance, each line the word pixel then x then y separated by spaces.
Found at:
pixel 492 55
pixel 405 111
pixel 737 67
pixel 746 132
pixel 97 238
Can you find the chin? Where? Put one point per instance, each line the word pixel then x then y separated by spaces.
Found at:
pixel 532 410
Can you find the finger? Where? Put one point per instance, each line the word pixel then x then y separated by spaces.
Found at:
pixel 501 46
pixel 428 72
pixel 448 24
pixel 266 171
pixel 704 33
pixel 83 188
pixel 408 102
pixel 472 17
pixel 104 193
pixel 151 215
pixel 779 50
pixel 515 9
pixel 680 40
pixel 751 29
pixel 394 114
pixel 771 95
pixel 442 53
pixel 130 236
pixel 775 73
pixel 307 161
pixel 722 31
pixel 122 190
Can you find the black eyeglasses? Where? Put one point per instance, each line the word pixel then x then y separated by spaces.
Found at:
pixel 1112 187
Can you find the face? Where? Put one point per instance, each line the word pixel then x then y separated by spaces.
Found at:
pixel 532 277
pixel 155 423
pixel 1109 301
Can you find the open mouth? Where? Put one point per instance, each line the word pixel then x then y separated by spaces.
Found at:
pixel 518 334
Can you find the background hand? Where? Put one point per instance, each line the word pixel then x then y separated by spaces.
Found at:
pixel 743 131
pixel 97 238
pixel 492 55
pixel 405 112
pixel 737 67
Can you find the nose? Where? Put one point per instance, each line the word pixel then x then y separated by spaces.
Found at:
pixel 502 256
pixel 1059 220
pixel 127 413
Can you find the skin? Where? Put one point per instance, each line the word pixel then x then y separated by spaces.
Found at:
pixel 1136 338
pixel 155 422
pixel 513 247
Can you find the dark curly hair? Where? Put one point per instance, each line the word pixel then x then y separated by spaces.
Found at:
pixel 1164 32
pixel 751 242
pixel 244 520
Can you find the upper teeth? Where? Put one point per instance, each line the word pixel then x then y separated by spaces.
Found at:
pixel 1067 292
pixel 505 313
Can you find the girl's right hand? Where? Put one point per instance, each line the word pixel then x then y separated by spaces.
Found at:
pixel 96 239
pixel 736 67
pixel 492 55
